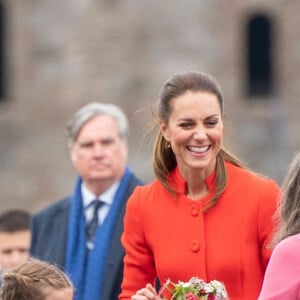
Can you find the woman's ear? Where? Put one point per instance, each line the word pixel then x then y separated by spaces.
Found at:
pixel 164 131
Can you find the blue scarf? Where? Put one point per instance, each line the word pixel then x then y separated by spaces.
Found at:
pixel 86 271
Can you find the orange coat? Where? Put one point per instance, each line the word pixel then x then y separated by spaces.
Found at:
pixel 173 238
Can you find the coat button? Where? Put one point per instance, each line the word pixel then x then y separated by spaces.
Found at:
pixel 194 210
pixel 195 245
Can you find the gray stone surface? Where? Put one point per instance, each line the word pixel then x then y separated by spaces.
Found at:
pixel 63 54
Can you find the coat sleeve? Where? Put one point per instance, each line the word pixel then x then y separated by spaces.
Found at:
pixel 139 268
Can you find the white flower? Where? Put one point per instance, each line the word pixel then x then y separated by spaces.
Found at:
pixel 199 288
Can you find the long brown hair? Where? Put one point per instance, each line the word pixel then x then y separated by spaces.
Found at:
pixel 288 211
pixel 164 160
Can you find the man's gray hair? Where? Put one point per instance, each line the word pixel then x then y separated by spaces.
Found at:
pixel 92 110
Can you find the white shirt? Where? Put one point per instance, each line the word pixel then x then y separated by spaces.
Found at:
pixel 107 197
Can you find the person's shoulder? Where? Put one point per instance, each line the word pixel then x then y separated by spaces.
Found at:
pixel 289 243
pixel 148 193
pixel 288 248
pixel 52 209
pixel 247 175
pixel 254 185
pixel 145 197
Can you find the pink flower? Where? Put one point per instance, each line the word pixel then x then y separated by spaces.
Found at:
pixel 190 296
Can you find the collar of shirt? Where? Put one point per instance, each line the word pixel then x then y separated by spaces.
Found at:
pixel 107 197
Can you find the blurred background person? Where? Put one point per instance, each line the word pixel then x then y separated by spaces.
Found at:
pixel 281 279
pixel 14 238
pixel 81 233
pixel 206 215
pixel 36 280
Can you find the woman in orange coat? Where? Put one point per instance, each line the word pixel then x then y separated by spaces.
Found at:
pixel 205 215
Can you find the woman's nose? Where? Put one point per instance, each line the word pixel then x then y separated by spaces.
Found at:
pixel 199 134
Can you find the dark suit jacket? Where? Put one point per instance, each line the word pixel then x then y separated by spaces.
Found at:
pixel 49 237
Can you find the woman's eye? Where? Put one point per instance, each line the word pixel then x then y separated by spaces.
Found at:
pixel 185 125
pixel 212 122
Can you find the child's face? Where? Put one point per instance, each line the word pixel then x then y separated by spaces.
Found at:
pixel 63 294
pixel 14 248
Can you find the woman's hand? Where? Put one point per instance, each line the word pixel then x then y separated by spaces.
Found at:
pixel 146 293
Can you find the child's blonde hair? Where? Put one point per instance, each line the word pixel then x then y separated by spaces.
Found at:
pixel 32 280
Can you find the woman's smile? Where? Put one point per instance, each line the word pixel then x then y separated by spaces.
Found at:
pixel 198 149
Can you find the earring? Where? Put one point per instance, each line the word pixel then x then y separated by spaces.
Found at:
pixel 168 145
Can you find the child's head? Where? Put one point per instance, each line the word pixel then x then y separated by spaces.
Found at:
pixel 14 238
pixel 36 280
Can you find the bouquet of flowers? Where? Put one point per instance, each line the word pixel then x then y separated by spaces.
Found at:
pixel 197 289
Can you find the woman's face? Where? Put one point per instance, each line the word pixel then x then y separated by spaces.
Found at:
pixel 195 131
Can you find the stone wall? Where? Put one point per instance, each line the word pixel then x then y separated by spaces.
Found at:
pixel 63 54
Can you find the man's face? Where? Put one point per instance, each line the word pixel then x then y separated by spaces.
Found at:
pixel 99 153
pixel 14 248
